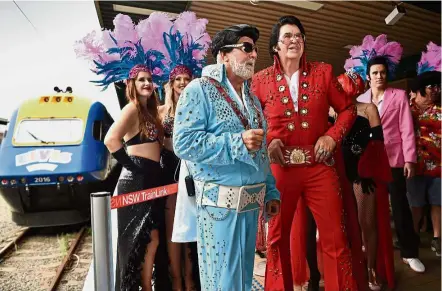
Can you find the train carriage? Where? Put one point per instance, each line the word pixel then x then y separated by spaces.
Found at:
pixel 52 157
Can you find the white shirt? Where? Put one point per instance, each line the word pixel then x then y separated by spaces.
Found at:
pixel 239 99
pixel 293 83
pixel 381 102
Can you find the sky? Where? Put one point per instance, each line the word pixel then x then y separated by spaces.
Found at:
pixel 37 54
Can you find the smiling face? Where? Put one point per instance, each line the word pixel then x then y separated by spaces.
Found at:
pixel 144 84
pixel 180 82
pixel 290 43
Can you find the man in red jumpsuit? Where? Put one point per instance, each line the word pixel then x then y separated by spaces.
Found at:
pixel 296 96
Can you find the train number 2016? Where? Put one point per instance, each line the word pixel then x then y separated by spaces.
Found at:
pixel 42 179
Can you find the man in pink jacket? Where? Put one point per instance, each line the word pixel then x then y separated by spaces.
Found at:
pixel 397 123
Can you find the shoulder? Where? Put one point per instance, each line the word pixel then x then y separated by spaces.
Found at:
pixel 130 108
pixel 162 109
pixel 194 85
pixel 129 112
pixel 320 66
pixel 265 73
pixel 398 93
pixel 192 89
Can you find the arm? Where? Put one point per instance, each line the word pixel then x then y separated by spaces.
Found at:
pixel 115 134
pixel 406 129
pixel 271 192
pixel 344 108
pixel 114 137
pixel 192 141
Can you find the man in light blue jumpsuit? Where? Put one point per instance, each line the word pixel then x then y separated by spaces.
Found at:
pixel 220 131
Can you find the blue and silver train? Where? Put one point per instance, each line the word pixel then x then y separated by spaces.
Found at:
pixel 52 157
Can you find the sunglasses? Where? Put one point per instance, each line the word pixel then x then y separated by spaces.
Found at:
pixel 434 86
pixel 246 47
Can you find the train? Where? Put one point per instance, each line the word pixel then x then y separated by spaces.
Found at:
pixel 53 157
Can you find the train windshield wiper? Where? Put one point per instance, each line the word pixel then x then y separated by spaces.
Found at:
pixel 39 139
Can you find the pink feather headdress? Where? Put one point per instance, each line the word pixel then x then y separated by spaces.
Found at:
pixel 370 48
pixel 430 60
pixel 158 42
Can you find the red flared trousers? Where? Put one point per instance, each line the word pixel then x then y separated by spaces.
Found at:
pixel 320 187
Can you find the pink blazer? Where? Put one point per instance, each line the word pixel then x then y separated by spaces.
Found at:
pixel 397 124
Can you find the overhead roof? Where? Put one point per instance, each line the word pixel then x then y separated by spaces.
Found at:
pixel 336 25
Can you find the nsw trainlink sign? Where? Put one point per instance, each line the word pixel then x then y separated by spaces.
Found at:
pixel 143 195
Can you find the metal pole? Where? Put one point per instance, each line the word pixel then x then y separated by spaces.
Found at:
pixel 102 241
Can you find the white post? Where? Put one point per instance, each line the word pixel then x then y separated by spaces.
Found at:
pixel 102 241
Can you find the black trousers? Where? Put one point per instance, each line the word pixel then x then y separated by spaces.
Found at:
pixel 403 221
pixel 311 255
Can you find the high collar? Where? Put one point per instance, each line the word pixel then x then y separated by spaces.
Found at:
pixel 302 63
pixel 216 71
pixel 219 73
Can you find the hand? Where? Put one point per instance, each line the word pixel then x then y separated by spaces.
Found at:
pixel 275 152
pixel 409 170
pixel 253 138
pixel 324 148
pixel 168 89
pixel 272 207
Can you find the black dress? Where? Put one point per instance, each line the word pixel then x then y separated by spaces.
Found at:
pixel 354 145
pixel 135 224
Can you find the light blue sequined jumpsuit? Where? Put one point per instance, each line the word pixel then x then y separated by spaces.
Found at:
pixel 207 133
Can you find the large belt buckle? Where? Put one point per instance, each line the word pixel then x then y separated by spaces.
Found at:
pixel 297 156
pixel 251 197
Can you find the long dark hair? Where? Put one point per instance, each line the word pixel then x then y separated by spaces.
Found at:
pixel 146 115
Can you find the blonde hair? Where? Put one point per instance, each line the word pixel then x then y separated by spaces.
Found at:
pixel 169 101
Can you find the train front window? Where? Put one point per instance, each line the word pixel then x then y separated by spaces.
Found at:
pixel 49 131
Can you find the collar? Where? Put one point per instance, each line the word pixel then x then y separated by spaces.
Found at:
pixel 218 73
pixel 302 64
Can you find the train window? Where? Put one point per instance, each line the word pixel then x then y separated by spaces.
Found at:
pixel 97 130
pixel 47 131
pixel 2 132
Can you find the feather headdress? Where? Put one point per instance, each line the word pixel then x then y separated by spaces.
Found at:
pixel 430 60
pixel 370 48
pixel 156 42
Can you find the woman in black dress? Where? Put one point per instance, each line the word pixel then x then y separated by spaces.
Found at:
pixel 138 225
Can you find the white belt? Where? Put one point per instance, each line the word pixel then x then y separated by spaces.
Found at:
pixel 243 198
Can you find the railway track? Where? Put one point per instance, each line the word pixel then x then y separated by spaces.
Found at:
pixel 41 258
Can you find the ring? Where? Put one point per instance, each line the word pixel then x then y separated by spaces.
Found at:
pixel 320 151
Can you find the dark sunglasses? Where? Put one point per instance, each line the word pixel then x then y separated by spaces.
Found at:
pixel 433 86
pixel 246 47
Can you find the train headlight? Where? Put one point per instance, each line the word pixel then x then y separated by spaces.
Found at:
pixel 80 178
pixel 60 179
pixel 13 182
pixel 5 182
pixel 23 180
pixel 70 179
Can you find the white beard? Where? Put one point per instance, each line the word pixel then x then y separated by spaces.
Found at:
pixel 243 70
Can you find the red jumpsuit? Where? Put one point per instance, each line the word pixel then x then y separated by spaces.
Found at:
pixel 317 183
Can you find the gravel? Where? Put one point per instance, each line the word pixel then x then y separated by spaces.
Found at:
pixel 35 260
